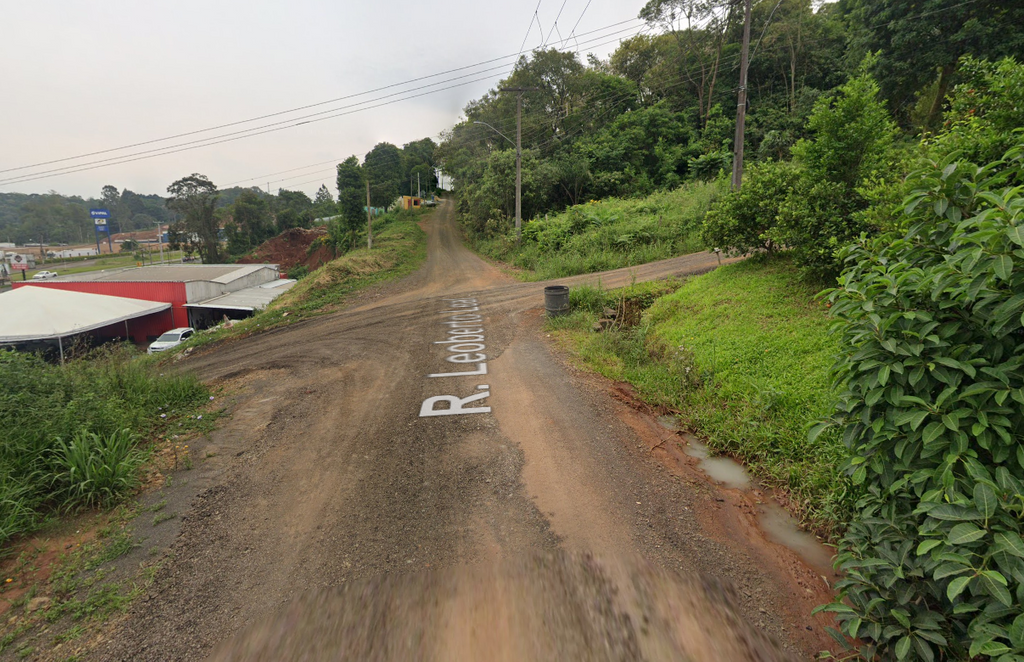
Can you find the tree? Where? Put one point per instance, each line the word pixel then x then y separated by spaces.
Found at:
pixel 920 42
pixel 324 205
pixel 294 210
pixel 383 168
pixel 851 133
pixel 112 201
pixel 699 28
pixel 194 197
pixel 251 223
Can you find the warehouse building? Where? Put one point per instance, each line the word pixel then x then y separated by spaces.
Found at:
pixel 199 295
pixel 50 319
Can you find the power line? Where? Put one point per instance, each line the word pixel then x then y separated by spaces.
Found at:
pixel 571 34
pixel 554 26
pixel 285 112
pixel 529 30
pixel 275 126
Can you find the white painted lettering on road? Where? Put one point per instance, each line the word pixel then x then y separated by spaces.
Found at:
pixel 464 344
pixel 456 405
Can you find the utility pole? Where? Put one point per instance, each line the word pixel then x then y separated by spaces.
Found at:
pixel 741 106
pixel 519 152
pixel 419 191
pixel 369 223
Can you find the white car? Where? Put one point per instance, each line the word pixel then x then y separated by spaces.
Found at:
pixel 172 338
pixel 40 275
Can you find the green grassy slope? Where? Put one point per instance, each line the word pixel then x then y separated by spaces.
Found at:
pixel 744 352
pixel 607 234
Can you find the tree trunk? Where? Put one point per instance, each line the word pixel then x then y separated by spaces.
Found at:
pixel 935 113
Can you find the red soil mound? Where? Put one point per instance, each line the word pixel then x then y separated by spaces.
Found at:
pixel 291 248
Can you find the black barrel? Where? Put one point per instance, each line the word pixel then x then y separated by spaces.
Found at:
pixel 556 300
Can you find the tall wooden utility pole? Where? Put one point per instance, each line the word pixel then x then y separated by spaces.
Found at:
pixel 741 107
pixel 519 152
pixel 369 223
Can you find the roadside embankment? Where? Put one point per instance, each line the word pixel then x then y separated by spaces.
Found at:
pixel 743 354
pixel 605 234
pixel 399 247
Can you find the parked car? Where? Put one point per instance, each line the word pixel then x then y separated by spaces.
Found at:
pixel 172 338
pixel 40 275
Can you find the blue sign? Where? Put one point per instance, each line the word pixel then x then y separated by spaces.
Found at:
pixel 99 213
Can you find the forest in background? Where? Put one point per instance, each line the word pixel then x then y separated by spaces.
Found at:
pixel 661 109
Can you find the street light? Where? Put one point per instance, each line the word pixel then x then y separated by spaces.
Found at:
pixel 519 178
pixel 497 132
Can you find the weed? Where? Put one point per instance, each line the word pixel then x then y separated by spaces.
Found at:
pixel 72 633
pixel 158 506
pixel 69 435
pixel 163 517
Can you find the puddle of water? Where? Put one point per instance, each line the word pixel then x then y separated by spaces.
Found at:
pixel 669 422
pixel 722 469
pixel 773 518
pixel 783 529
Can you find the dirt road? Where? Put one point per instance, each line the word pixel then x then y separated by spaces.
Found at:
pixel 344 512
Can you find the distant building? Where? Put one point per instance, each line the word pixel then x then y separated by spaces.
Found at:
pixel 200 294
pixel 410 202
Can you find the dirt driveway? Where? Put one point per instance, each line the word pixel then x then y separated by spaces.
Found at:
pixel 345 514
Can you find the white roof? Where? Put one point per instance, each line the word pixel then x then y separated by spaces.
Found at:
pixel 251 298
pixel 44 313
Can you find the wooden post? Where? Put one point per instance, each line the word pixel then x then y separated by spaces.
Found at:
pixel 741 107
pixel 369 223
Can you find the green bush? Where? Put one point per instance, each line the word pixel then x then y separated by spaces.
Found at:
pixel 744 221
pixel 298 271
pixel 932 410
pixel 95 470
pixel 986 110
pixel 68 433
pixel 811 205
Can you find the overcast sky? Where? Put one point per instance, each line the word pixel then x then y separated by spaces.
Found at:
pixel 84 76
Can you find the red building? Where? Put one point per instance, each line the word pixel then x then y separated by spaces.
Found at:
pixel 196 292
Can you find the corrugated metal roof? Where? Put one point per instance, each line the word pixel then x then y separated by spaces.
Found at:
pixel 44 313
pixel 220 273
pixel 252 298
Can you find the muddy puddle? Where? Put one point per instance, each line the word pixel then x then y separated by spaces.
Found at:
pixel 773 520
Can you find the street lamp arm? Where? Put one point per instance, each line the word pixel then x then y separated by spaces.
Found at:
pixel 497 132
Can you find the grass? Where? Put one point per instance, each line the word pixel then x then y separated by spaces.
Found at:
pixel 608 234
pixel 399 247
pixel 71 436
pixel 744 353
pixel 115 261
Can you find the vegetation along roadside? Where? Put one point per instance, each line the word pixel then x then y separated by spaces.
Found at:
pixel 399 247
pixel 744 354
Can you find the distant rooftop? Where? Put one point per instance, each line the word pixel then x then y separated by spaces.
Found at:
pixel 168 273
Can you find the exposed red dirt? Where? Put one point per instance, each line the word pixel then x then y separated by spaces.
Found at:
pixel 291 249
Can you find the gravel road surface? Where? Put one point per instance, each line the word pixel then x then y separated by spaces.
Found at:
pixel 343 512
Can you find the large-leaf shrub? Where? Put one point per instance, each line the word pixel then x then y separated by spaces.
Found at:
pixel 932 410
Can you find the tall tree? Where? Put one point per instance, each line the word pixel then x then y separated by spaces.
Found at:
pixel 323 203
pixel 351 192
pixel 251 223
pixel 922 41
pixel 195 197
pixel 699 28
pixel 383 168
